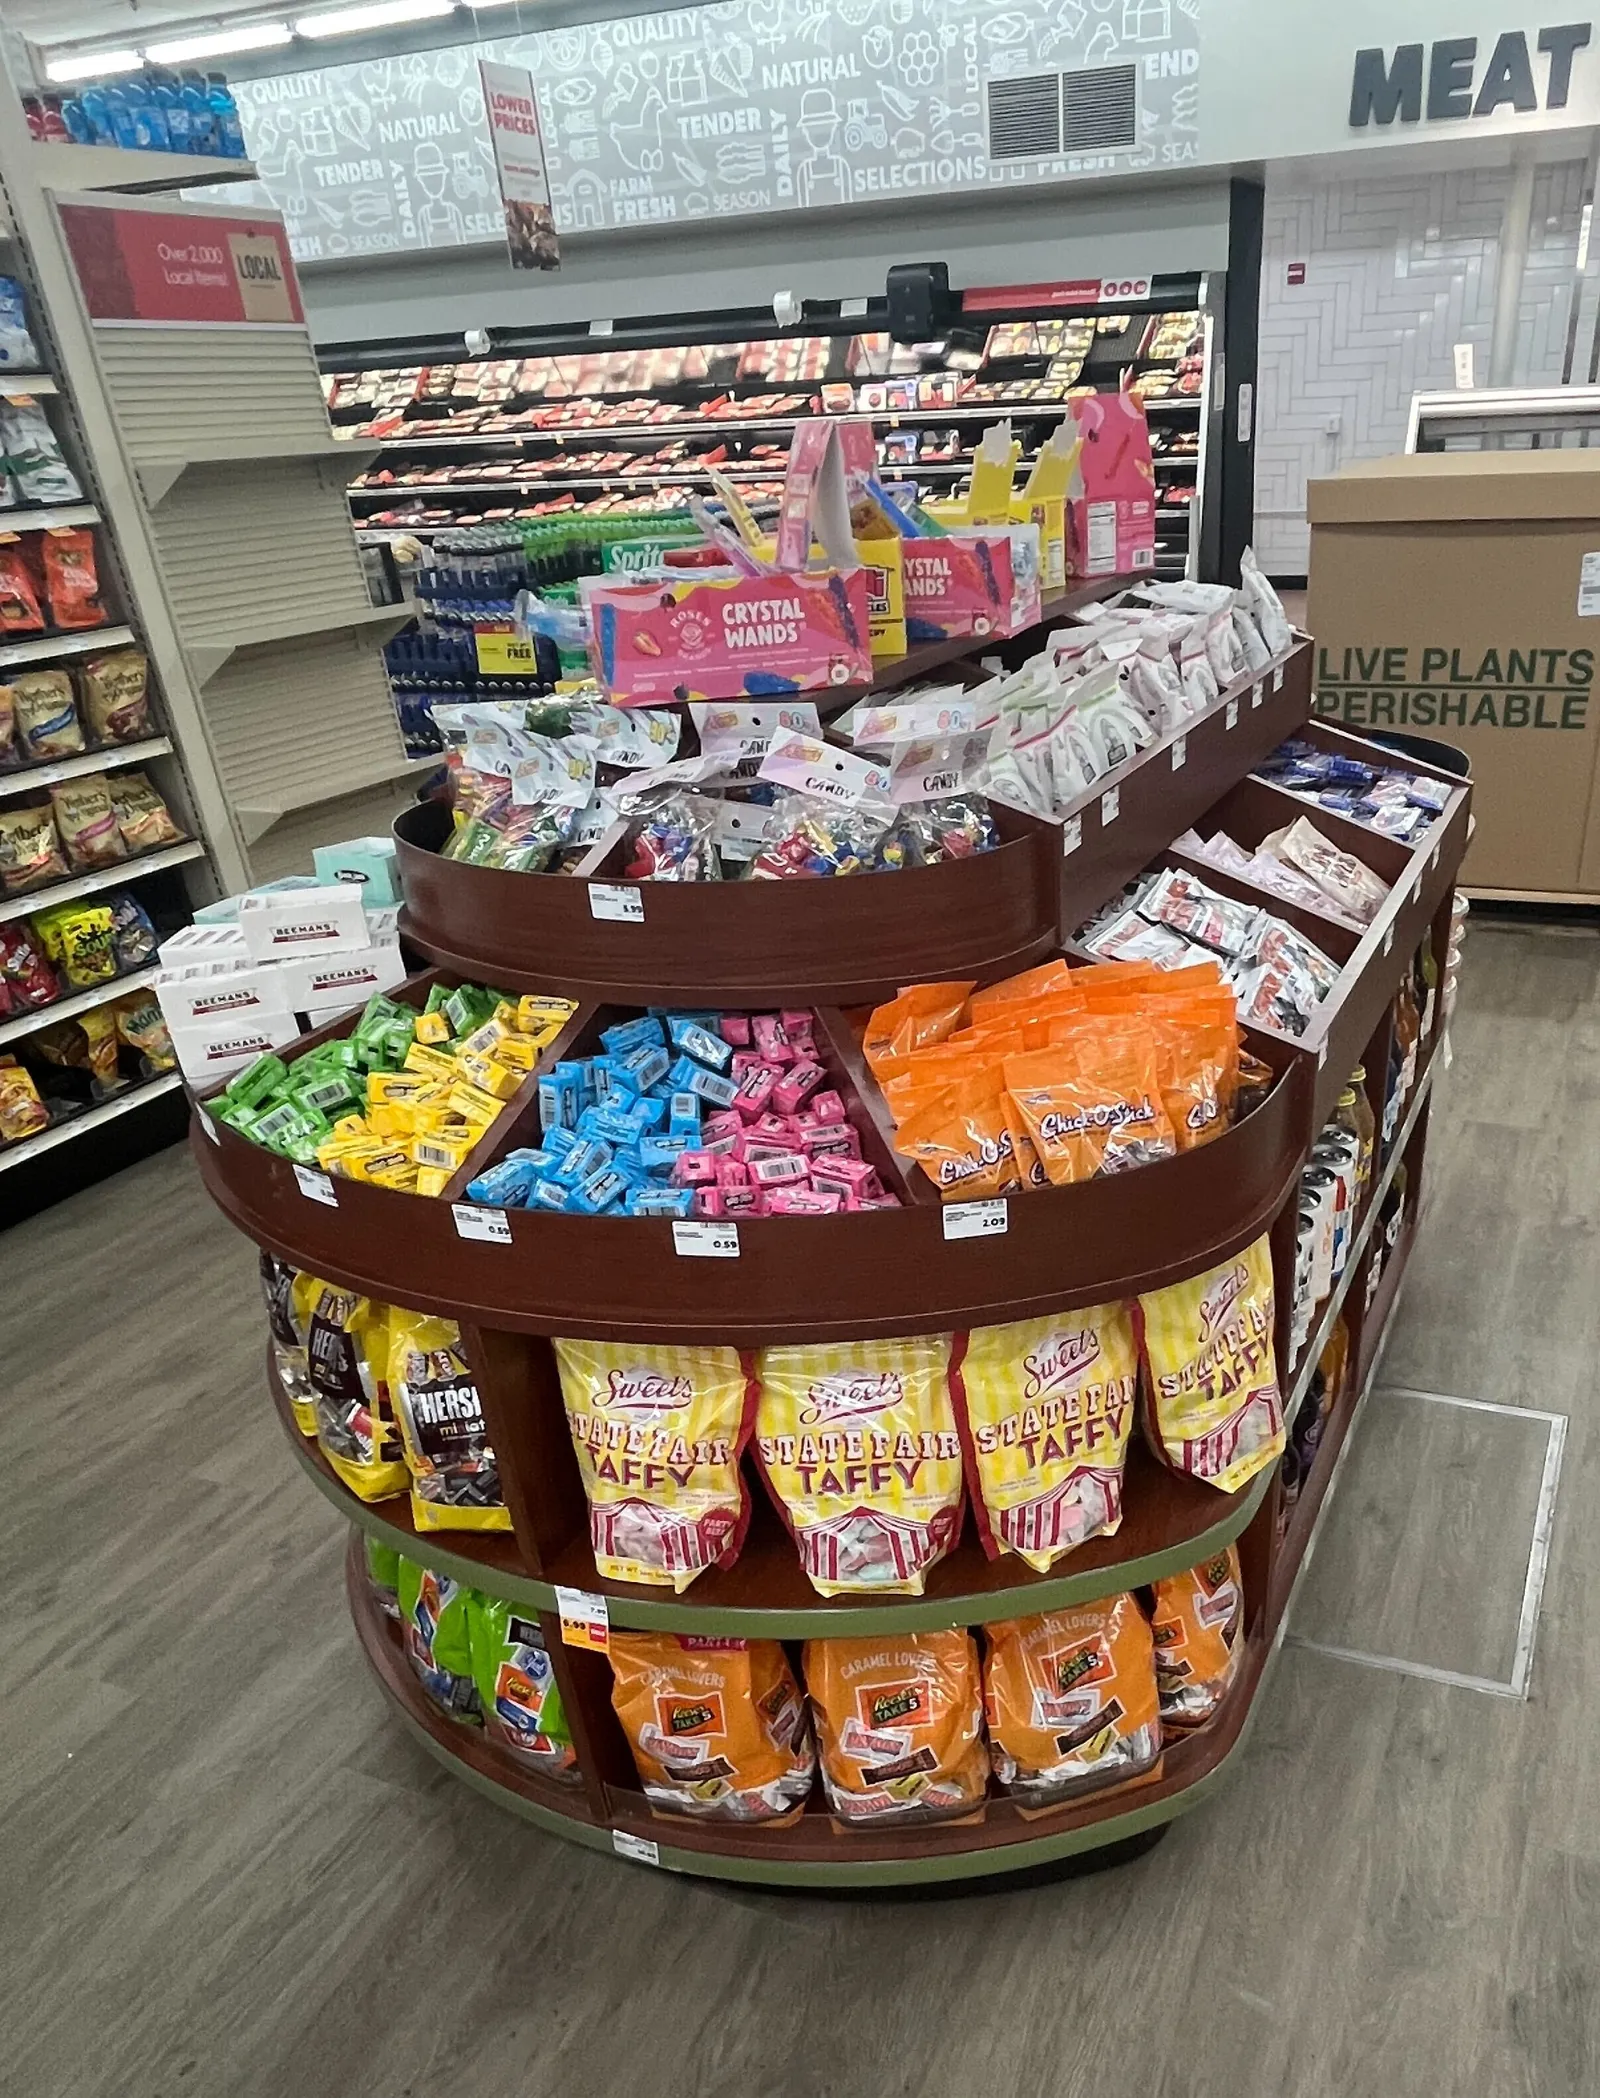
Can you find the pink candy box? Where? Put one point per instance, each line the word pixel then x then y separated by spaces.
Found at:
pixel 782 1170
pixel 708 1202
pixel 755 1092
pixel 706 634
pixel 1111 507
pixel 803 1202
pixel 795 1024
pixel 740 1201
pixel 853 1175
pixel 965 584
pixel 771 1040
pixel 694 1169
pixel 743 1060
pixel 797 1082
pixel 826 1107
pixel 773 1129
pixel 831 1140
pixel 880 1202
pixel 735 1028
pixel 723 1124
pixel 732 1172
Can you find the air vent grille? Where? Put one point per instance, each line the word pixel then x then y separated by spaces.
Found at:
pixel 1101 108
pixel 1025 117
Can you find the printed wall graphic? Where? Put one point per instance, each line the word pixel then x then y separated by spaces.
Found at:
pixel 712 112
pixel 514 133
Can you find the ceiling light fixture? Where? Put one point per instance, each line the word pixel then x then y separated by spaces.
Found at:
pixel 255 36
pixel 93 65
pixel 381 14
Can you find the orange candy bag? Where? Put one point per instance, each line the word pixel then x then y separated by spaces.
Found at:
pixel 857 1442
pixel 958 1135
pixel 1215 1408
pixel 717 1726
pixel 1197 1627
pixel 1045 1407
pixel 917 1016
pixel 899 1725
pixel 1092 1102
pixel 1070 1698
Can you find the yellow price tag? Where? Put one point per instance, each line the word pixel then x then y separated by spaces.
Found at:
pixel 505 654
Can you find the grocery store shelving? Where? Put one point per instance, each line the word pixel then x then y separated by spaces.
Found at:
pixel 158 476
pixel 287 623
pixel 40 384
pixel 102 878
pixel 45 648
pixel 111 1110
pixel 81 1002
pixel 61 165
pixel 108 760
pixel 48 519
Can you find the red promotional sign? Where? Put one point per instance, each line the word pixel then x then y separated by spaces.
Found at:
pixel 208 269
pixel 1082 291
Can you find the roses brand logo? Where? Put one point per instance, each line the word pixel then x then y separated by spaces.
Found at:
pixel 646 1392
pixel 1221 1297
pixel 1060 1362
pixel 850 1395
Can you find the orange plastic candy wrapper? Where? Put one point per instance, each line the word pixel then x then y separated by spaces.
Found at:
pixel 961 1140
pixel 717 1726
pixel 658 1432
pixel 1071 1700
pixel 1092 1103
pixel 858 1445
pixel 1199 1616
pixel 923 1014
pixel 1045 1408
pixel 899 1725
pixel 1213 1380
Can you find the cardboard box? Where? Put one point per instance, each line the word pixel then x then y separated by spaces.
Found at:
pixel 1457 595
pixel 207 993
pixel 1111 499
pixel 215 1051
pixel 370 864
pixel 312 981
pixel 329 920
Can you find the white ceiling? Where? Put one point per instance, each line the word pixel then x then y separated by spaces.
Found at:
pixel 67 21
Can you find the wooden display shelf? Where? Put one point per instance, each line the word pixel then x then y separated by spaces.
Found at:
pixel 1169 1523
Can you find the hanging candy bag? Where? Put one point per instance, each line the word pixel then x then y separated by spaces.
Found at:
pixel 1197 1625
pixel 516 1687
pixel 717 1726
pixel 434 1628
pixel 288 1300
pixel 1070 1698
pixel 345 1352
pixel 899 1725
pixel 455 1481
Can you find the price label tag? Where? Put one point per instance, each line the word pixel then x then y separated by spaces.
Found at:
pixel 1277 679
pixel 1231 718
pixel 1416 886
pixel 1388 939
pixel 585 1620
pixel 208 1122
pixel 1110 803
pixel 1180 753
pixel 1256 694
pixel 976 1219
pixel 1433 859
pixel 706 1241
pixel 639 1848
pixel 1322 1055
pixel 493 1226
pixel 502 655
pixel 1071 836
pixel 316 1187
pixel 611 900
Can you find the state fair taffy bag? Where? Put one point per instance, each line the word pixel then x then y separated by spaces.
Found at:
pixel 1215 1410
pixel 658 1432
pixel 1070 1698
pixel 1197 1625
pixel 899 1725
pixel 1045 1407
pixel 858 1445
pixel 718 1727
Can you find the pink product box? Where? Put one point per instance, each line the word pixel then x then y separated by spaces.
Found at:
pixel 1111 502
pixel 697 636
pixel 964 585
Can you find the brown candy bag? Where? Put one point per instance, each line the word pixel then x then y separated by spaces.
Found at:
pixel 30 851
pixel 87 822
pixel 116 696
pixel 46 715
pixel 143 817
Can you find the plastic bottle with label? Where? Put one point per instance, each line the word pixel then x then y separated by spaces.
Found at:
pixel 155 113
pixel 124 132
pixel 1354 1114
pixel 164 91
pixel 58 125
pixel 202 118
pixel 225 110
pixel 97 115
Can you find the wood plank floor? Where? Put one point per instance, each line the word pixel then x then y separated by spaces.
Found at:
pixel 227 1871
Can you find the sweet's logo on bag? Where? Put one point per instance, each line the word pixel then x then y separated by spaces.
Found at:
pixel 1061 1361
pixel 1221 1297
pixel 645 1391
pixel 851 1395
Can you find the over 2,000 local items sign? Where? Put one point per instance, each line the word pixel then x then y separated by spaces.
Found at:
pixel 186 264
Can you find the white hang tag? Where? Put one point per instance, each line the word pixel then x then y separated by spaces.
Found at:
pixel 611 900
pixel 493 1226
pixel 1110 803
pixel 976 1219
pixel 316 1187
pixel 1180 753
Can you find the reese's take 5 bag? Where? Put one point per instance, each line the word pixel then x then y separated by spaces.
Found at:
pixel 899 1725
pixel 857 1442
pixel 717 1726
pixel 1197 1625
pixel 1216 1412
pixel 1070 1698
pixel 659 1432
pixel 1045 1407
pixel 516 1685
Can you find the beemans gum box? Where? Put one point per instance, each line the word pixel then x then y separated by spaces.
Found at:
pixel 331 920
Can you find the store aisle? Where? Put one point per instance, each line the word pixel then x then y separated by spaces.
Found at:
pixel 229 1871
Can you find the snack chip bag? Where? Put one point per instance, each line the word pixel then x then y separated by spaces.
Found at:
pixel 659 1433
pixel 1045 1408
pixel 914 1019
pixel 70 579
pixel 344 1357
pixel 78 937
pixel 1070 1698
pixel 140 1025
pixel 1197 1623
pixel 899 1725
pixel 516 1684
pixel 288 1299
pixel 1215 1409
pixel 434 1626
pixel 22 1112
pixel 857 1442
pixel 455 1481
pixel 717 1726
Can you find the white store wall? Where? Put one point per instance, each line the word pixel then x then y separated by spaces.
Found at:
pixel 1399 268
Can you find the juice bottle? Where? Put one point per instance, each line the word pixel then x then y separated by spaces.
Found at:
pixel 1354 1113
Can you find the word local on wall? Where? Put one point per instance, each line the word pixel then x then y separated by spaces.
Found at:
pixel 1383 88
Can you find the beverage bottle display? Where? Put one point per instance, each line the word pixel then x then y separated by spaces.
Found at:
pixel 97 115
pixel 33 113
pixel 1355 1113
pixel 155 115
pixel 164 92
pixel 202 118
pixel 56 125
pixel 230 133
pixel 1408 1027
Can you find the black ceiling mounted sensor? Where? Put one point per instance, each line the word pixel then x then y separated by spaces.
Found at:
pixel 919 300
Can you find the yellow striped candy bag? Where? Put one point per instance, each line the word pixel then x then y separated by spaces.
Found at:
pixel 1045 1408
pixel 858 1445
pixel 658 1432
pixel 1215 1408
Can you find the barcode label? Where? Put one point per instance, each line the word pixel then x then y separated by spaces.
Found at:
pixel 1180 753
pixel 976 1219
pixel 706 1241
